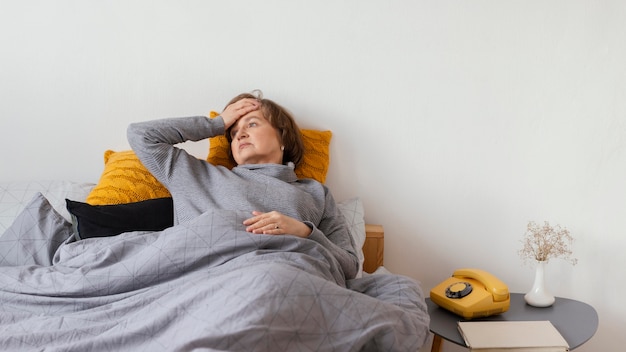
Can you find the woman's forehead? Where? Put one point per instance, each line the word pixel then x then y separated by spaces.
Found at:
pixel 257 114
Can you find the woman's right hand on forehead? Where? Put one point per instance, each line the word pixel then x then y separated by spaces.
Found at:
pixel 236 110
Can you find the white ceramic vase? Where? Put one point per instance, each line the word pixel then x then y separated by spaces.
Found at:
pixel 538 296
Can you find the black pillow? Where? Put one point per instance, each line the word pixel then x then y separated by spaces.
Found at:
pixel 110 220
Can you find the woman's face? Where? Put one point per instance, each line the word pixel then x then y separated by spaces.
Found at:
pixel 255 141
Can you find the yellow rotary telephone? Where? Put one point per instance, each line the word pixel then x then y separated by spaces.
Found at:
pixel 472 293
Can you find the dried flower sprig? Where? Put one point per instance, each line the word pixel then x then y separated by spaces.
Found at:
pixel 541 243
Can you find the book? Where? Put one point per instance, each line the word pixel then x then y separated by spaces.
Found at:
pixel 512 336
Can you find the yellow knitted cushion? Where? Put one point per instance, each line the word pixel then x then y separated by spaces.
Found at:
pixel 314 163
pixel 125 180
pixel 316 157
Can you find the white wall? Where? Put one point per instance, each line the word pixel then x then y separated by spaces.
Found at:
pixel 457 122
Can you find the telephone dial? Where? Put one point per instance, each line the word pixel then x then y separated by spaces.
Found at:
pixel 472 293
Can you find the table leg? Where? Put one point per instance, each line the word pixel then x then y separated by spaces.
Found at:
pixel 436 346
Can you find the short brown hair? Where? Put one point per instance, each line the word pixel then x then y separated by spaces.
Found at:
pixel 281 120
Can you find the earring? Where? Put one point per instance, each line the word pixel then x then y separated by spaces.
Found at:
pixel 282 148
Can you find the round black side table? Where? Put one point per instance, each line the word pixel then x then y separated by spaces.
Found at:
pixel 575 320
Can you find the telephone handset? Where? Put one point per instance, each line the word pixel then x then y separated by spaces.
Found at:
pixel 472 293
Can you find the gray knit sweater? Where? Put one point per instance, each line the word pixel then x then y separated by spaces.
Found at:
pixel 197 186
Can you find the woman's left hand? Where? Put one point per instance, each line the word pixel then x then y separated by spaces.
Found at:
pixel 275 223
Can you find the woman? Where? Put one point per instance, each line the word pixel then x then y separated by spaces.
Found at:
pixel 266 145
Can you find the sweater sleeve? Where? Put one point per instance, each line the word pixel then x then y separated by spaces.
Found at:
pixel 334 234
pixel 153 142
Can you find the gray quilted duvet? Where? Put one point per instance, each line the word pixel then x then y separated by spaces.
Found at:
pixel 206 285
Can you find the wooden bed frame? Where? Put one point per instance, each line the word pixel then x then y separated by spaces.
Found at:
pixel 374 247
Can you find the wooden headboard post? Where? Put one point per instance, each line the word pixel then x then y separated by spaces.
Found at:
pixel 374 247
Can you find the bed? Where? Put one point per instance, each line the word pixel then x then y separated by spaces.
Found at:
pixel 199 286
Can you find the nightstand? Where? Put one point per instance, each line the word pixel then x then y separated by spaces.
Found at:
pixel 575 320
